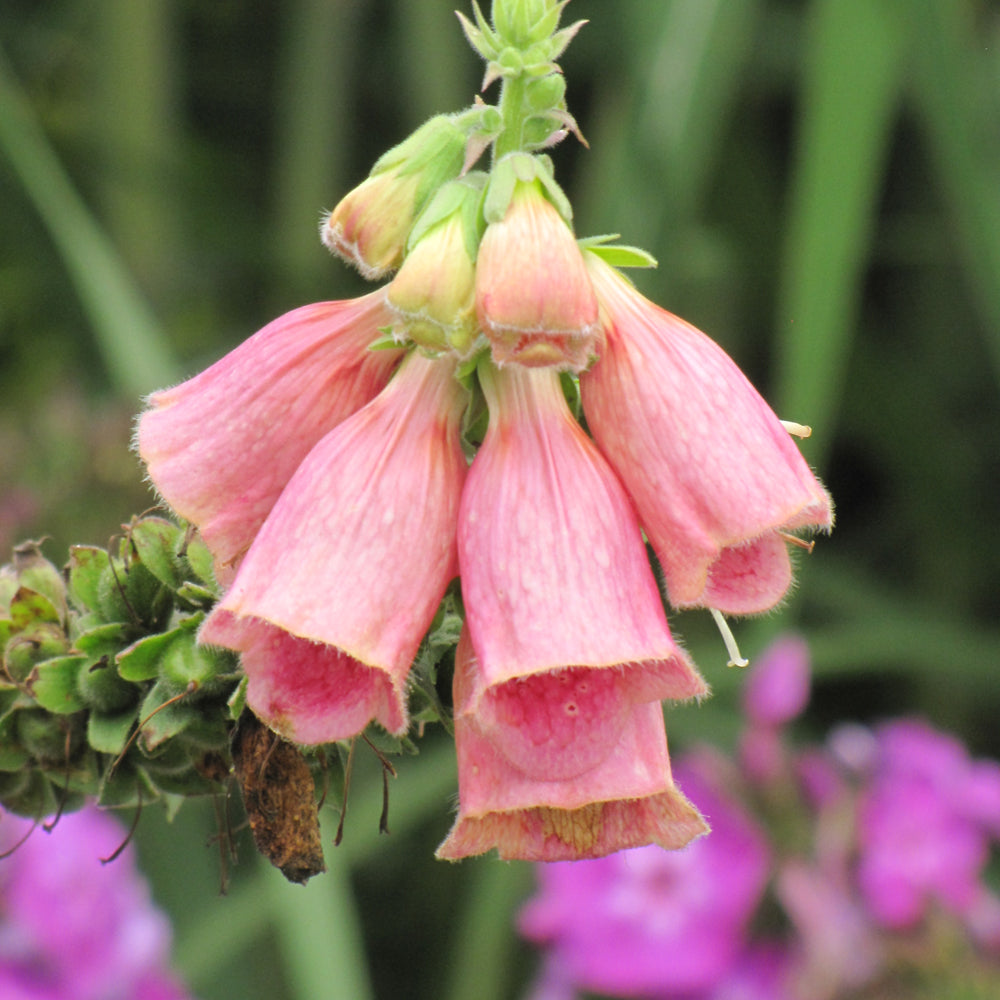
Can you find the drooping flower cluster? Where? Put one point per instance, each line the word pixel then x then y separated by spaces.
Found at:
pixel 72 928
pixel 841 870
pixel 325 462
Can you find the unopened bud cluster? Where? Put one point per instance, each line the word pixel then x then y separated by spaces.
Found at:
pixel 104 692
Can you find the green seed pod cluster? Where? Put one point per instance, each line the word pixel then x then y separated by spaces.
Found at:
pixel 104 692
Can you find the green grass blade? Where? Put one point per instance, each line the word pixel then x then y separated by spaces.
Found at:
pixel 313 140
pixel 959 115
pixel 133 347
pixel 483 945
pixel 319 935
pixel 850 94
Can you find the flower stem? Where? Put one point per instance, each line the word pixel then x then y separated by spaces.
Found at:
pixel 512 108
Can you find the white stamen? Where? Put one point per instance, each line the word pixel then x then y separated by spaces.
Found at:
pixel 797 430
pixel 735 659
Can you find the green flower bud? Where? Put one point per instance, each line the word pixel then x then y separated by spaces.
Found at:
pixel 103 690
pixel 30 647
pixel 370 225
pixel 52 740
pixel 35 572
pixel 434 291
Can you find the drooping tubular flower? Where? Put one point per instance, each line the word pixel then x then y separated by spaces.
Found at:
pixel 534 299
pixel 346 574
pixel 577 772
pixel 221 447
pixel 561 743
pixel 716 478
pixel 554 571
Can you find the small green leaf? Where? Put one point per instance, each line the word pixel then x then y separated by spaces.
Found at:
pixel 109 733
pixel 196 595
pixel 29 606
pixel 125 786
pixel 162 718
pixel 155 541
pixel 620 255
pixel 200 560
pixel 55 684
pixel 104 640
pixel 185 663
pixel 86 564
pixel 141 660
pixel 238 700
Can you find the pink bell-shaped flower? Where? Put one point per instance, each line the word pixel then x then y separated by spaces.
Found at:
pixel 349 568
pixel 221 447
pixel 596 780
pixel 534 299
pixel 716 478
pixel 554 571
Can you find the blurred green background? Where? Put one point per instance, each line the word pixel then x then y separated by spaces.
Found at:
pixel 820 181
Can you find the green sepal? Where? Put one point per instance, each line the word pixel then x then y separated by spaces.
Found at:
pixel 155 541
pixel 199 558
pixel 86 566
pixel 51 739
pixel 238 699
pixel 186 666
pixel 617 254
pixel 11 698
pixel 184 784
pixel 388 340
pixel 34 572
pixel 196 596
pixel 480 35
pixel 35 799
pixel 125 786
pixel 42 641
pixel 109 733
pixel 141 660
pixel 461 195
pixel 570 384
pixel 102 640
pixel 55 685
pixel 13 756
pixel 103 689
pixel 30 606
pixel 162 718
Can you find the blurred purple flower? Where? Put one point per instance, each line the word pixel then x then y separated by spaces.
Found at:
pixel 926 819
pixel 72 928
pixel 777 685
pixel 650 922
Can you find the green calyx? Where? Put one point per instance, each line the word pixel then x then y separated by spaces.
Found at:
pixel 101 680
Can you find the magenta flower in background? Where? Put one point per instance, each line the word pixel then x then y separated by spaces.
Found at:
pixel 655 923
pixel 830 869
pixel 72 928
pixel 775 692
pixel 926 821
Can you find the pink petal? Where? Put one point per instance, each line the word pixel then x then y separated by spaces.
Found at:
pixel 626 799
pixel 533 296
pixel 360 547
pixel 714 475
pixel 222 446
pixel 554 572
pixel 307 691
